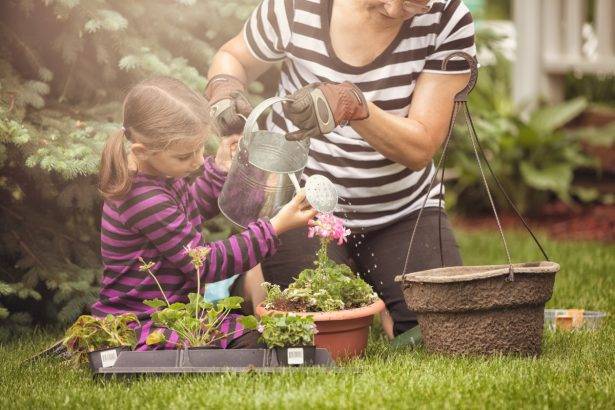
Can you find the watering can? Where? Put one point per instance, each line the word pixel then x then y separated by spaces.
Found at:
pixel 260 180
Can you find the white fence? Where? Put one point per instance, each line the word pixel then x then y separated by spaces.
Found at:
pixel 550 43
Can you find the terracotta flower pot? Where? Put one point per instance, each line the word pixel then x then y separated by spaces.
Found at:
pixel 343 332
pixel 474 310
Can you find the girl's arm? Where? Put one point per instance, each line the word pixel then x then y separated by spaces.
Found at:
pixel 207 187
pixel 154 213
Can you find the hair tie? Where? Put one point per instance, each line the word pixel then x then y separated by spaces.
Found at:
pixel 125 132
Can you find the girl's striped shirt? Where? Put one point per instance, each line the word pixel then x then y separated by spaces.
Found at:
pixel 374 190
pixel 155 221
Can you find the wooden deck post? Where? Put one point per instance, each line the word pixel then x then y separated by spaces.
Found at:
pixel 528 65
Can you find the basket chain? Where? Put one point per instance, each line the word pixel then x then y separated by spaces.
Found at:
pixel 461 100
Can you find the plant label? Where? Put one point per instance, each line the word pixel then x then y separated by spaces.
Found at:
pixel 295 355
pixel 108 357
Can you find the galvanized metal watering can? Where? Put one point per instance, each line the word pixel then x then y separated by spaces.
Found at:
pixel 259 182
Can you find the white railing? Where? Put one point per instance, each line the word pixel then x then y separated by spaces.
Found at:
pixel 552 40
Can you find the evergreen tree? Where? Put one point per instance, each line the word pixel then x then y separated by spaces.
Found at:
pixel 65 66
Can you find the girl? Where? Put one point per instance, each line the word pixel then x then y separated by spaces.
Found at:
pixel 152 211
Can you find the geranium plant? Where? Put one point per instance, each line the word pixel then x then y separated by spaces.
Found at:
pixel 90 333
pixel 287 330
pixel 329 285
pixel 197 322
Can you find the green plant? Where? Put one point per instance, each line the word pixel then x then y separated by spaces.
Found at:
pixel 532 155
pixel 330 285
pixel 287 330
pixel 65 66
pixel 197 322
pixel 90 333
pixel 534 158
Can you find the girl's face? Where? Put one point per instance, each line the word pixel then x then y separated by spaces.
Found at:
pixel 177 161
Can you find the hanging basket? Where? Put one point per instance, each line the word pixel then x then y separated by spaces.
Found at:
pixel 475 310
pixel 490 309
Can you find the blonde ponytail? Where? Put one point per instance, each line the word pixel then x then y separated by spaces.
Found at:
pixel 115 178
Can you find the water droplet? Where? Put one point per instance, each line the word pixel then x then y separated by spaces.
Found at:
pixel 381 283
pixel 369 271
pixel 375 266
pixel 372 253
pixel 362 236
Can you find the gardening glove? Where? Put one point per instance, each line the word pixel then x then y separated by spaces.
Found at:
pixel 228 103
pixel 318 108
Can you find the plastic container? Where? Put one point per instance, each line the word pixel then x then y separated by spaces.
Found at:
pixel 564 319
pixel 105 357
pixel 192 360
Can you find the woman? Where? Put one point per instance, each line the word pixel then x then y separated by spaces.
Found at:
pixel 368 89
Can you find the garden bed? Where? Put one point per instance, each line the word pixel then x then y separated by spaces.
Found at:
pixel 591 222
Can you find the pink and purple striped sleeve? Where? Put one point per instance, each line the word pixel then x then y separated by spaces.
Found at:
pixel 206 188
pixel 156 215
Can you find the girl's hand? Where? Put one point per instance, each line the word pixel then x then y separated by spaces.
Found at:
pixel 226 152
pixel 294 214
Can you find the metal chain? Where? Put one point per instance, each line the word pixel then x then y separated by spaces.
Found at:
pixel 472 136
pixel 456 107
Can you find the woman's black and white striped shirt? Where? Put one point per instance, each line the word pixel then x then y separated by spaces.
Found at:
pixel 374 191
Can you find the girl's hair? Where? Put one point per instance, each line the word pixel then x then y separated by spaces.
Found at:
pixel 157 113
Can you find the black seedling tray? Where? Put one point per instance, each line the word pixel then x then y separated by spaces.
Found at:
pixel 202 361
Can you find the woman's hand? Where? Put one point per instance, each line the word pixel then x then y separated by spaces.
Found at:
pixel 317 109
pixel 294 214
pixel 228 103
pixel 226 152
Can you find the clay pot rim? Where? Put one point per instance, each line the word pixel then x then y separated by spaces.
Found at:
pixel 345 314
pixel 468 273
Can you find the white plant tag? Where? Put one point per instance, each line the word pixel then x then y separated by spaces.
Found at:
pixel 295 355
pixel 108 358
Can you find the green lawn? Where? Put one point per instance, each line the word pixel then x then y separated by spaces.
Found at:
pixel 576 369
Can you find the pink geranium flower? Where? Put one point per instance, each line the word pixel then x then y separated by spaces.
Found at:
pixel 328 226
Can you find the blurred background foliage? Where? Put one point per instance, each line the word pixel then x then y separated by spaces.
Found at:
pixel 65 66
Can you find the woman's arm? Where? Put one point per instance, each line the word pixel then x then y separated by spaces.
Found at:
pixel 414 140
pixel 234 58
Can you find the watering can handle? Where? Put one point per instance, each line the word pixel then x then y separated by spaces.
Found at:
pixel 257 112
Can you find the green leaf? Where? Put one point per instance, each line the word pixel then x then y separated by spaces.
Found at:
pixel 5 289
pixel 178 306
pixel 232 302
pixel 551 118
pixel 556 178
pixel 155 303
pixel 586 194
pixel 155 338
pixel 248 322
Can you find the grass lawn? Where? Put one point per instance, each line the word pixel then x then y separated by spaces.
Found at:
pixel 575 370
